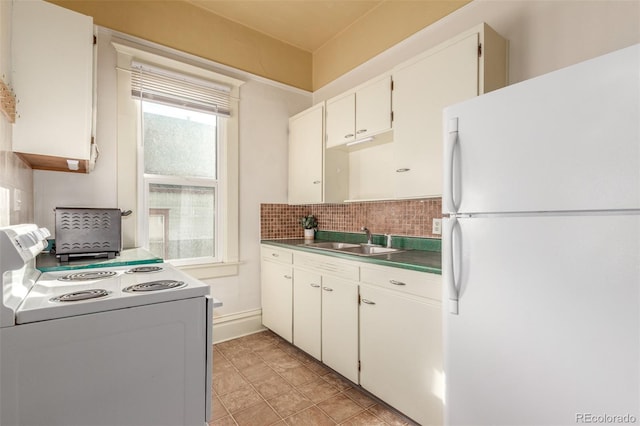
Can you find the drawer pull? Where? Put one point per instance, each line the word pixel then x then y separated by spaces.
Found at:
pixel 402 170
pixel 288 277
pixel 327 288
pixel 361 131
pixel 315 285
pixel 315 182
pixel 275 254
pixel 368 302
pixel 394 282
pixel 350 135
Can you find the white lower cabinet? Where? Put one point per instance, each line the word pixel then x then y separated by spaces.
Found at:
pixel 277 292
pixel 325 311
pixel 307 314
pixel 340 326
pixel 378 326
pixel 401 352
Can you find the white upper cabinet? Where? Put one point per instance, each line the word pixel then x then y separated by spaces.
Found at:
pixel 402 111
pixel 316 175
pixel 52 56
pixel 305 156
pixel 341 120
pixel 358 114
pixel 466 66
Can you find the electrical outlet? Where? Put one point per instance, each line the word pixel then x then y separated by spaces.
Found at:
pixel 437 227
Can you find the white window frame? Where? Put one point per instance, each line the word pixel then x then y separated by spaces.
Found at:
pixel 130 168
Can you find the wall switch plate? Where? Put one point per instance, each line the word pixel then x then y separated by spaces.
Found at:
pixel 437 227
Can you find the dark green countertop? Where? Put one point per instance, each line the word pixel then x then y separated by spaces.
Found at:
pixel 46 262
pixel 416 260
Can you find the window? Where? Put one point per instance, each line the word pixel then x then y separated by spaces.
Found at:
pixel 178 159
pixel 180 154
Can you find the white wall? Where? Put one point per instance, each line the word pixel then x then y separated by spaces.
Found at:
pixel 264 112
pixel 544 35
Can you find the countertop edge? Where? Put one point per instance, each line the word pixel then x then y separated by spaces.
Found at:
pixel 384 260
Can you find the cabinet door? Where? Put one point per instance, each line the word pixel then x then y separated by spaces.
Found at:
pixel 277 298
pixel 341 120
pixel 305 156
pixel 53 80
pixel 421 91
pixel 340 326
pixel 306 311
pixel 373 108
pixel 401 353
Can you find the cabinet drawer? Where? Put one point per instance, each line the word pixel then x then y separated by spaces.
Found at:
pixel 412 282
pixel 276 254
pixel 327 266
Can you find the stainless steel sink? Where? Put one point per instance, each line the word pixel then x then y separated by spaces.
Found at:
pixel 331 245
pixel 370 250
pixel 357 249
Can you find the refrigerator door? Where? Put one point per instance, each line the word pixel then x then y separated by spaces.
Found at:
pixel 565 141
pixel 548 322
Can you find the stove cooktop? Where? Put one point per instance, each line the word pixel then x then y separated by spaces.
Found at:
pixel 71 293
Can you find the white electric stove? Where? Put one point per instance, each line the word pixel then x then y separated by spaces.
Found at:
pixel 124 345
pixel 79 292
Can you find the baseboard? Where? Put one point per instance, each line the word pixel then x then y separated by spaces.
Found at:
pixel 231 326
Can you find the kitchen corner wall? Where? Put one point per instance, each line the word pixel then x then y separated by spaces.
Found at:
pixel 405 217
pixel 16 177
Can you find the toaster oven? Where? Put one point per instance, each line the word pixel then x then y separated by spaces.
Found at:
pixel 93 232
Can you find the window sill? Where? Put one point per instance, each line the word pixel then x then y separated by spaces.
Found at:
pixel 205 271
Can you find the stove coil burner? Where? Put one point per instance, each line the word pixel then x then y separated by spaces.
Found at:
pixel 88 276
pixel 154 286
pixel 78 296
pixel 144 269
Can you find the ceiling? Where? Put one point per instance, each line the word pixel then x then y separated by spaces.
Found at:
pixel 306 24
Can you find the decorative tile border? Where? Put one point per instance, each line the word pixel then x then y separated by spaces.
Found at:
pixel 405 218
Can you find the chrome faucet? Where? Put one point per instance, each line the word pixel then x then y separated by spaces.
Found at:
pixel 369 240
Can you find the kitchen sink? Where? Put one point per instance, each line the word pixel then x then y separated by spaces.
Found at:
pixel 369 250
pixel 331 245
pixel 357 249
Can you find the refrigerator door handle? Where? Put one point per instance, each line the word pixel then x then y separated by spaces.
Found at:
pixel 451 279
pixel 449 201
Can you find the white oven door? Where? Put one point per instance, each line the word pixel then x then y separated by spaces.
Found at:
pixel 138 366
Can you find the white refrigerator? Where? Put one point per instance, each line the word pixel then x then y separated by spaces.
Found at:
pixel 541 249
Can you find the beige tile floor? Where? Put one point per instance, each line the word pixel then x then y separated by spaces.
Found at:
pixel 261 379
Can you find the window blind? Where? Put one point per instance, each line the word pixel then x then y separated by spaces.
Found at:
pixel 166 87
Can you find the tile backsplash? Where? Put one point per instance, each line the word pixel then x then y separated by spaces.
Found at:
pixel 405 217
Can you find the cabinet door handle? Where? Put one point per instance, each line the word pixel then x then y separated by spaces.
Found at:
pixel 402 170
pixel 288 277
pixel 315 285
pixel 368 302
pixel 394 282
pixel 361 131
pixel 350 135
pixel 327 288
pixel 315 182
